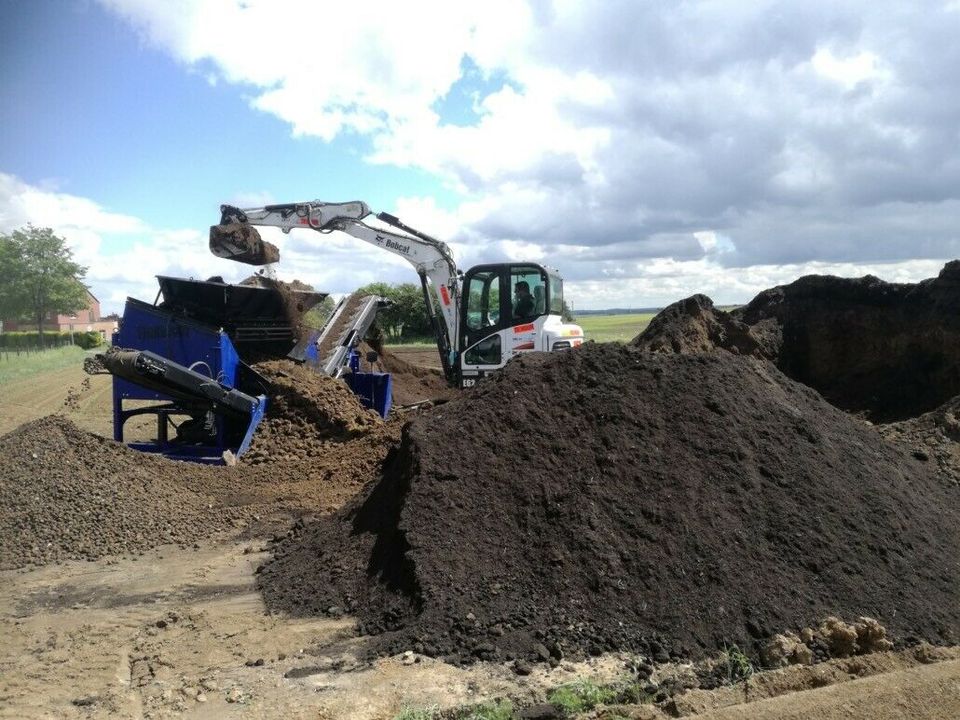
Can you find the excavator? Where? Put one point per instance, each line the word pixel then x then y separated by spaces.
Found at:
pixel 481 318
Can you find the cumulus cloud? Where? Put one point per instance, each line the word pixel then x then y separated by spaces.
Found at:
pixel 611 138
pixel 124 254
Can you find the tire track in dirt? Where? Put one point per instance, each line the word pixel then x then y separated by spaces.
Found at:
pixel 34 397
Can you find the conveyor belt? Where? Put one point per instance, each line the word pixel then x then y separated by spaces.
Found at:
pixel 158 373
pixel 345 330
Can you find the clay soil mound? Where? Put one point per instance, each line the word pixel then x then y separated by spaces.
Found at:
pixel 609 498
pixel 67 494
pixel 889 351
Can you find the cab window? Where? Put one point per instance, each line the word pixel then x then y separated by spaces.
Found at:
pixel 529 287
pixel 483 300
pixel 556 295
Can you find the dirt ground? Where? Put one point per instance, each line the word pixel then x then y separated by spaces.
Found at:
pixel 183 632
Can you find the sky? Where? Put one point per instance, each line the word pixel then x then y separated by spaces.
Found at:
pixel 648 150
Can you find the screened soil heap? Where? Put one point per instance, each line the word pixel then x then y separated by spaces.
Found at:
pixel 306 410
pixel 67 495
pixel 613 499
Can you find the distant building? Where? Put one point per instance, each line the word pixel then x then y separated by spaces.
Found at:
pixel 86 320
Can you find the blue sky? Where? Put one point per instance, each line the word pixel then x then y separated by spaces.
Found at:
pixel 101 113
pixel 648 151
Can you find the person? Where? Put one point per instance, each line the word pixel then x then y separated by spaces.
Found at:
pixel 524 305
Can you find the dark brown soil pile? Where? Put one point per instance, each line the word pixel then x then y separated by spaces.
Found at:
pixel 306 410
pixel 67 494
pixel 608 498
pixel 933 437
pixel 694 325
pixel 889 351
pixel 77 508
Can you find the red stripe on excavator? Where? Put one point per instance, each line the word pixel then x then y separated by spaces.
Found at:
pixel 524 346
pixel 524 328
pixel 444 295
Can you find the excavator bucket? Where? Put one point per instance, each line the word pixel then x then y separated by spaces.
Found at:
pixel 241 242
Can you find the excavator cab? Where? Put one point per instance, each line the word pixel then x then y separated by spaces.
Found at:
pixel 507 309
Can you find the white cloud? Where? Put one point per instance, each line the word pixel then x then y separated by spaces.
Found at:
pixel 122 252
pixel 847 71
pixel 615 136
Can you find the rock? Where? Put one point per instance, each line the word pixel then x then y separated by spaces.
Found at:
pixel 234 695
pixel 786 649
pixel 408 658
pixel 871 636
pixel 522 667
pixel 840 637
pixel 540 652
pixel 543 711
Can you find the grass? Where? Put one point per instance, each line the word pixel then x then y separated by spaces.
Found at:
pixel 410 713
pixel 614 328
pixel 493 710
pixel 14 367
pixel 600 328
pixel 739 667
pixel 581 696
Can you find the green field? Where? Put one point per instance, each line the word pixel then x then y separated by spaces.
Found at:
pixel 15 367
pixel 599 328
pixel 614 328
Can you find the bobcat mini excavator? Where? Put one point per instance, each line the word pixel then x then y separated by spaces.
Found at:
pixel 480 318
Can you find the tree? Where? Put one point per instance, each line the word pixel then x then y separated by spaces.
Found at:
pixel 318 314
pixel 407 318
pixel 39 276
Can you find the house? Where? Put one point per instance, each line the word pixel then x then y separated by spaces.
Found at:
pixel 86 320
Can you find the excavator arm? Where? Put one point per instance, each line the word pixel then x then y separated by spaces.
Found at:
pixel 235 238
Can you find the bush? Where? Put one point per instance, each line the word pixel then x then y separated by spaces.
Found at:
pixel 22 340
pixel 88 340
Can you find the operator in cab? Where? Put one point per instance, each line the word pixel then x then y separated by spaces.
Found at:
pixel 524 305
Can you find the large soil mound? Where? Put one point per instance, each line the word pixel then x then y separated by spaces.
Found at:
pixel 889 351
pixel 609 498
pixel 694 325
